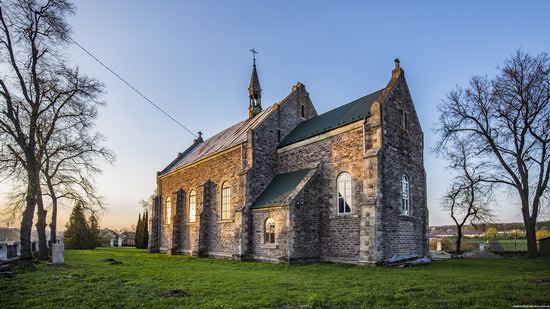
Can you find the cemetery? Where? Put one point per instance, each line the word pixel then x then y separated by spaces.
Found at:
pixel 128 277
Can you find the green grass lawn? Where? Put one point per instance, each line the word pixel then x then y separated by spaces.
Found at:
pixel 143 280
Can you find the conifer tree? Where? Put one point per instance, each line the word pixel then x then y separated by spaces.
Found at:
pixel 142 231
pixel 146 230
pixel 139 231
pixel 77 233
pixel 81 233
pixel 93 232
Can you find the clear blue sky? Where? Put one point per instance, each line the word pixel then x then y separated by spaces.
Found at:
pixel 192 58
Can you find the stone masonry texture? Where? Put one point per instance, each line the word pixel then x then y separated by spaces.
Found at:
pixel 376 151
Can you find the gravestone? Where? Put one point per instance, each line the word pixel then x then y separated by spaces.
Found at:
pixel 17 248
pixel 482 246
pixel 112 243
pixel 3 251
pixel 58 252
pixel 438 246
pixel 120 241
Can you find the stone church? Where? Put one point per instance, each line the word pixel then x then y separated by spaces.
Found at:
pixel 288 184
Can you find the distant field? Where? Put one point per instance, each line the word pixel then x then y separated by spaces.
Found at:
pixel 469 244
pixel 149 280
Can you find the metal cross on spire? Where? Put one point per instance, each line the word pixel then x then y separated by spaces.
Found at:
pixel 254 52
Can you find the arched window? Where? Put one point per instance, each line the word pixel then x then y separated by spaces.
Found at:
pixel 192 206
pixel 405 195
pixel 226 201
pixel 269 231
pixel 168 211
pixel 344 193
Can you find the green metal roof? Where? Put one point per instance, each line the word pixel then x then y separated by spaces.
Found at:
pixel 279 189
pixel 333 119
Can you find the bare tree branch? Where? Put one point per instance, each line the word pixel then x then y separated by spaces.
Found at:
pixel 506 119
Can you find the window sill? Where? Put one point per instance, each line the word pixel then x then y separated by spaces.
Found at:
pixel 407 217
pixel 270 246
pixel 226 221
pixel 344 215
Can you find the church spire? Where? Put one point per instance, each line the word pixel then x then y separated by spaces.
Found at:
pixel 254 90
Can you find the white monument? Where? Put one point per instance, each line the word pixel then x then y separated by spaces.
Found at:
pixel 3 251
pixel 119 241
pixel 482 246
pixel 17 248
pixel 438 246
pixel 58 252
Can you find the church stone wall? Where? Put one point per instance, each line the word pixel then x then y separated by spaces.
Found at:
pixel 154 226
pixel 401 153
pixel 340 233
pixel 305 223
pixel 376 152
pixel 265 138
pixel 206 179
pixel 277 252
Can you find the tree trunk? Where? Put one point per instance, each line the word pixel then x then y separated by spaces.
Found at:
pixel 530 229
pixel 41 227
pixel 531 234
pixel 458 239
pixel 28 215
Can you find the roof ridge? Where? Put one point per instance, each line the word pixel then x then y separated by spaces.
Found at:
pixel 235 134
pixel 346 104
pixel 181 155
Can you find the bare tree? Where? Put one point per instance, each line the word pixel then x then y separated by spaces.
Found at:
pixel 67 175
pixel 506 119
pixel 69 168
pixel 40 97
pixel 147 204
pixel 469 195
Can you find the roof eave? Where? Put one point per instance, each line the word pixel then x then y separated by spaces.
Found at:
pixel 201 160
pixel 262 207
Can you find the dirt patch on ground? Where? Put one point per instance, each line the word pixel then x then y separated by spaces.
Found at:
pixel 112 261
pixel 542 281
pixel 480 255
pixel 68 277
pixel 175 293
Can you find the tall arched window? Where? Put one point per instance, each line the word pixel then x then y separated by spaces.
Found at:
pixel 168 211
pixel 344 193
pixel 405 195
pixel 192 206
pixel 226 201
pixel 269 231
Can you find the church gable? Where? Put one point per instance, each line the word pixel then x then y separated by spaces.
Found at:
pixel 402 178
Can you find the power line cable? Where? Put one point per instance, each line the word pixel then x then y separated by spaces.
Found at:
pixel 210 147
pixel 132 87
pixel 139 92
